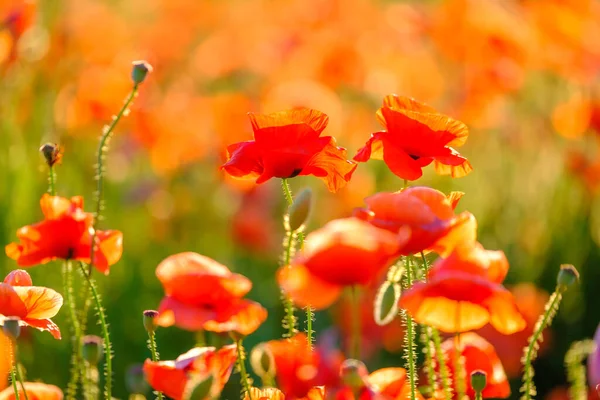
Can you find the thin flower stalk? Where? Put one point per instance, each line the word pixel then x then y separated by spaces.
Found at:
pixel 241 365
pixel 356 322
pixel 459 368
pixel 576 370
pixel 76 357
pixel 290 321
pixel 154 355
pixel 13 370
pixel 21 380
pixel 410 355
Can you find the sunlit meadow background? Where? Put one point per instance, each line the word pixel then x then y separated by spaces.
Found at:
pixel 524 75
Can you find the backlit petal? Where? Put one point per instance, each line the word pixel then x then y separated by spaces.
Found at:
pixel 41 302
pixel 18 277
pixel 305 289
pixel 332 166
pixel 11 304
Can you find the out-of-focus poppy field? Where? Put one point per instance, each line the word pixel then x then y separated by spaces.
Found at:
pixel 440 167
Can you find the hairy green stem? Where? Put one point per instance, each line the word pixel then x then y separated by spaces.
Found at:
pixel 105 334
pixel 459 373
pixel 441 360
pixel 429 351
pixel 576 371
pixel 409 336
pixel 287 192
pixel 51 181
pixel 76 357
pixel 356 328
pixel 21 380
pixel 289 322
pixel 13 371
pixel 241 361
pixel 154 354
pixel 528 389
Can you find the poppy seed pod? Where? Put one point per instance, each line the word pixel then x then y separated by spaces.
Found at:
pixel 140 70
pixel 149 320
pixel 199 388
pixel 262 361
pixel 478 380
pixel 353 373
pixel 567 275
pixel 11 327
pixel 299 211
pixel 92 349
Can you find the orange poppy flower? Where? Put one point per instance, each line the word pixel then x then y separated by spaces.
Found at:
pixel 34 305
pixel 201 294
pixel 478 354
pixel 35 391
pixel 344 252
pixel 287 144
pixel 65 233
pixel 416 135
pixel 5 360
pixel 429 214
pixel 264 394
pixel 464 292
pixel 298 368
pixel 171 377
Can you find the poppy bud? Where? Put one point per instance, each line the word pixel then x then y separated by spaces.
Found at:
pixel 300 209
pixel 478 380
pixel 386 303
pixel 18 277
pixel 567 276
pixel 353 373
pixel 140 70
pixel 52 153
pixel 149 320
pixel 92 349
pixel 262 361
pixel 135 380
pixel 11 327
pixel 199 388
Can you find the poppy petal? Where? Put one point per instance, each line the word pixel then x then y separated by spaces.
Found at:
pixel 44 325
pixel 5 359
pixel 244 160
pixel 164 377
pixel 41 302
pixel 54 207
pixel 455 171
pixel 310 123
pixel 454 197
pixel 35 391
pixel 173 312
pixel 18 277
pixel 109 249
pixel 504 313
pixel 462 229
pixel 373 149
pixel 331 165
pixel 11 304
pixel 388 381
pixel 402 164
pixel 305 289
pixel 243 317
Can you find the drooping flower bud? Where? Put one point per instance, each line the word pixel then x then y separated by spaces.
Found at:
pixel 478 380
pixel 299 211
pixel 140 70
pixel 92 349
pixel 354 374
pixel 149 320
pixel 567 275
pixel 262 361
pixel 199 388
pixel 18 277
pixel 11 327
pixel 52 153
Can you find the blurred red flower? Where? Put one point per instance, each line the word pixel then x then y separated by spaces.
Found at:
pixel 65 233
pixel 287 144
pixel 477 354
pixel 5 360
pixel 171 377
pixel 415 135
pixel 299 367
pixel 429 214
pixel 201 294
pixel 34 305
pixel 344 252
pixel 35 391
pixel 464 292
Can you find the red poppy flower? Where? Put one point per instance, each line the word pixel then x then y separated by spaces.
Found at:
pixel 464 293
pixel 478 354
pixel 65 233
pixel 201 294
pixel 429 214
pixel 5 360
pixel 34 305
pixel 416 135
pixel 344 252
pixel 35 391
pixel 287 144
pixel 298 368
pixel 171 377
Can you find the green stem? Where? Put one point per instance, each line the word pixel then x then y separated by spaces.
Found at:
pixel 356 328
pixel 287 192
pixel 154 354
pixel 478 396
pixel 105 334
pixel 309 326
pixel 428 350
pixel 576 371
pixel 13 370
pixel 51 181
pixel 409 349
pixel 289 321
pixel 459 376
pixel 241 361
pixel 528 387
pixel 76 357
pixel 20 378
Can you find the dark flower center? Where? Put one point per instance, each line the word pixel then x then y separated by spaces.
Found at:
pixel 295 172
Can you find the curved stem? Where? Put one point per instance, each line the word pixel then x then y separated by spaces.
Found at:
pixel 13 370
pixel 105 334
pixel 356 329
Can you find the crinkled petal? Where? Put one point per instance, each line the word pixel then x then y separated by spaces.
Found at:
pixel 41 302
pixel 308 124
pixel 402 164
pixel 373 149
pixel 241 316
pixel 305 289
pixel 331 165
pixel 109 249
pixel 11 304
pixel 44 325
pixel 244 160
pixel 164 377
pixel 184 316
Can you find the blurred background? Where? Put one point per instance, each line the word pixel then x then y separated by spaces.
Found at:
pixel 524 76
